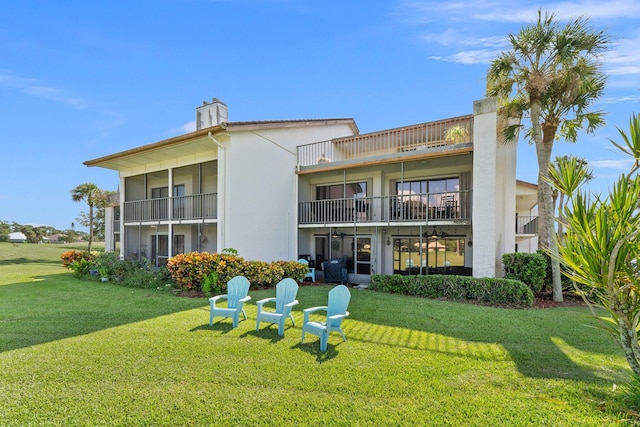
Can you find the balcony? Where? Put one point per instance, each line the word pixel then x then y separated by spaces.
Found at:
pixel 526 225
pixel 402 142
pixel 182 208
pixel 413 208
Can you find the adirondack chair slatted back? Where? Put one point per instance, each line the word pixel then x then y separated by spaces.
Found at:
pixel 237 288
pixel 286 292
pixel 339 298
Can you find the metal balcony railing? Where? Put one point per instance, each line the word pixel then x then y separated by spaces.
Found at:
pixel 397 208
pixel 197 206
pixel 526 224
pixel 443 133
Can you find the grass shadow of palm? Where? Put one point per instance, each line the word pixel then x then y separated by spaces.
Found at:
pixel 542 343
pixel 58 306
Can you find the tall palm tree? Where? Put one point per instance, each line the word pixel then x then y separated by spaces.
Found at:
pixel 92 195
pixel 550 76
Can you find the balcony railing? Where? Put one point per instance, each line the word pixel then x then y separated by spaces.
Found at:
pixel 526 224
pixel 397 208
pixel 443 133
pixel 197 206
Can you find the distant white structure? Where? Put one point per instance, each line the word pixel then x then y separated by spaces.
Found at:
pixel 17 237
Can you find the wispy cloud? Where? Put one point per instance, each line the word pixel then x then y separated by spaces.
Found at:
pixel 469 32
pixel 612 164
pixel 479 56
pixel 39 89
pixel 185 128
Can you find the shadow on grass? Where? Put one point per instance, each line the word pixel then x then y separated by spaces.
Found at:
pixel 269 332
pixel 543 343
pixel 23 260
pixel 59 306
pixel 219 326
pixel 313 347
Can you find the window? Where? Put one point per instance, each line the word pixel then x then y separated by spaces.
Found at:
pixel 340 202
pixel 341 191
pixel 412 255
pixel 178 244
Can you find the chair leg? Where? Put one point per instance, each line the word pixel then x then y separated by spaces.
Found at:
pixel 323 341
pixel 281 326
pixel 292 321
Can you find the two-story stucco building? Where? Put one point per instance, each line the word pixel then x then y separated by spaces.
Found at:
pixel 436 197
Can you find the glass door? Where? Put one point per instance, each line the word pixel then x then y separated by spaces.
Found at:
pixel 159 249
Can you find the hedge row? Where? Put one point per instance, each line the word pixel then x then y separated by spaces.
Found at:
pixel 193 269
pixel 486 290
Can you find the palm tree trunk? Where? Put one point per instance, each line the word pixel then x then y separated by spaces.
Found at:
pixel 545 134
pixel 90 226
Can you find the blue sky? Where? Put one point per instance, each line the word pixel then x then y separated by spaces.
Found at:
pixel 82 79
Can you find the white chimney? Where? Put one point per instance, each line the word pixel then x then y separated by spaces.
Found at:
pixel 211 114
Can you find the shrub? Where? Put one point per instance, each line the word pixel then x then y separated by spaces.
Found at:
pixel 293 269
pixel 189 270
pixel 70 257
pixel 262 274
pixel 147 278
pixel 486 290
pixel 526 267
pixel 192 270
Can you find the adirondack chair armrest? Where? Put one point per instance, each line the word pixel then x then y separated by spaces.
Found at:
pixel 338 316
pixel 265 300
pixel 218 297
pixel 308 311
pixel 245 299
pixel 292 303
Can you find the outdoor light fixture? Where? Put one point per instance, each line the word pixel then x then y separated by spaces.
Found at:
pixel 434 234
pixel 335 235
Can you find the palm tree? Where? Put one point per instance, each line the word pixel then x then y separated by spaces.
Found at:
pixel 567 174
pixel 551 77
pixel 92 195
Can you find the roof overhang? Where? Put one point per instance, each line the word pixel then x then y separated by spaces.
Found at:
pixel 190 144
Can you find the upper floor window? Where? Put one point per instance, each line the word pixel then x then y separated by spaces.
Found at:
pixel 342 191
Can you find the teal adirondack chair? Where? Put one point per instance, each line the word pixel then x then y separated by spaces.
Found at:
pixel 336 311
pixel 285 299
pixel 236 296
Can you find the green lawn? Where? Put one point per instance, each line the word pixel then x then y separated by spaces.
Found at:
pixel 90 353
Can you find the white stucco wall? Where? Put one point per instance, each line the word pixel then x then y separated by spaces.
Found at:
pixel 260 216
pixel 494 186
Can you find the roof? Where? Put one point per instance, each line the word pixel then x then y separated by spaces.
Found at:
pixel 198 141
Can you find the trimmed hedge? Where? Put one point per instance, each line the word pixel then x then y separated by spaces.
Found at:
pixel 529 268
pixel 486 290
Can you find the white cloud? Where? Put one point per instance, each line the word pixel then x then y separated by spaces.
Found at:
pixel 39 89
pixel 189 126
pixel 621 99
pixel 469 57
pixel 611 164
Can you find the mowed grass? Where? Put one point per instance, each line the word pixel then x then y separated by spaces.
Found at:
pixel 93 354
